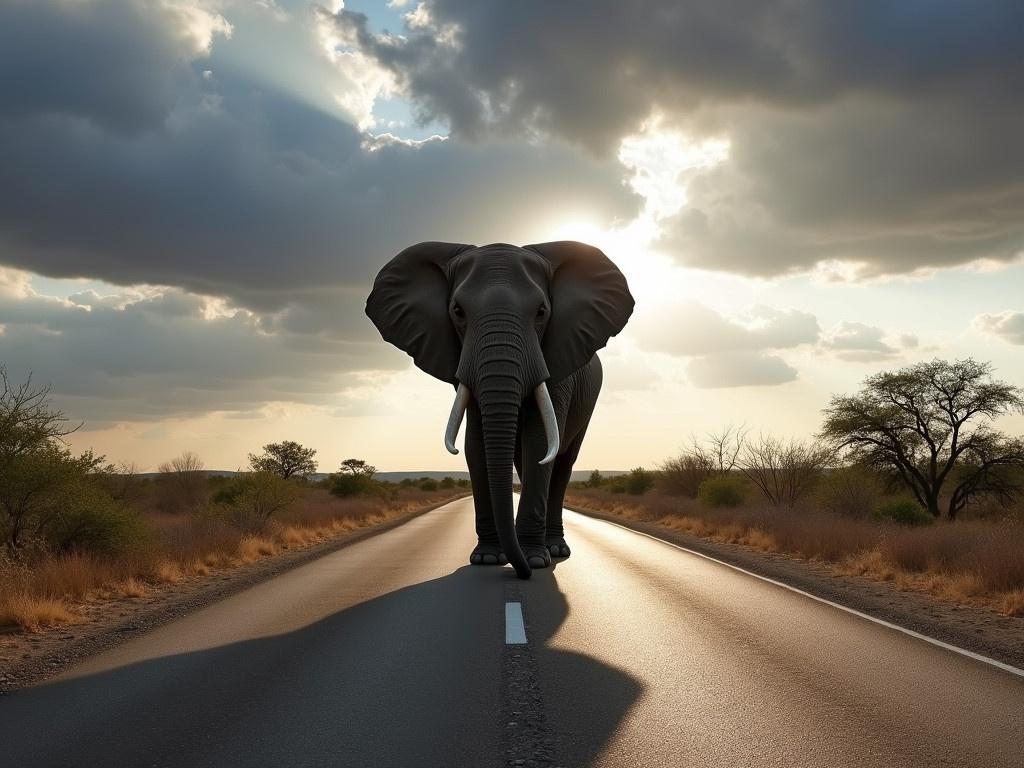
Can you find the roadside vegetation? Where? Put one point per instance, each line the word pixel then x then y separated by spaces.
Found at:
pixel 77 529
pixel 908 481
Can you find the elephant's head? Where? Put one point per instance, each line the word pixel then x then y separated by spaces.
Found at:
pixel 501 323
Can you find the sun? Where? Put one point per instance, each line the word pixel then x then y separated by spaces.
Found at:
pixel 653 276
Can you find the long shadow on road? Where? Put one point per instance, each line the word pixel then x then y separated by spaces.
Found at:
pixel 410 678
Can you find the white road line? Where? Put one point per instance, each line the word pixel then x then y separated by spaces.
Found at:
pixel 515 630
pixel 882 622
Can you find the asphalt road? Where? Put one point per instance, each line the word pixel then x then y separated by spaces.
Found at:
pixel 392 652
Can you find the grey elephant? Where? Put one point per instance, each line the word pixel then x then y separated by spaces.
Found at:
pixel 516 330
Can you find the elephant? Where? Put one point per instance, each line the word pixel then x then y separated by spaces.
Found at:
pixel 501 323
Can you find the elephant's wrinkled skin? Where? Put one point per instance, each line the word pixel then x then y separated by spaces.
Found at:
pixel 516 330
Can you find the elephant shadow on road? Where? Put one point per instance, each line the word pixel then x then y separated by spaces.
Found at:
pixel 411 678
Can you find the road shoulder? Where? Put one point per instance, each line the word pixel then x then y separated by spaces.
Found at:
pixel 974 629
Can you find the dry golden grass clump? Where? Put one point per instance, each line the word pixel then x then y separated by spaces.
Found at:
pixel 968 561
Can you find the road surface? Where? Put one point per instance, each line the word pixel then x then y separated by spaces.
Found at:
pixel 392 652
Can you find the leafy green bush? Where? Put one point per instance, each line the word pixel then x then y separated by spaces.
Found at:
pixel 639 481
pixel 97 524
pixel 721 491
pixel 249 500
pixel 347 486
pixel 428 484
pixel 905 511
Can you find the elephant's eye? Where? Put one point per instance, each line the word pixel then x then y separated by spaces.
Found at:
pixel 457 311
pixel 542 312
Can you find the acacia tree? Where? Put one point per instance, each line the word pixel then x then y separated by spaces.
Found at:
pixel 285 459
pixel 358 468
pixel 931 423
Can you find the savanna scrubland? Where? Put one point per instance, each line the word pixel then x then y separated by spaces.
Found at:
pixel 908 481
pixel 77 529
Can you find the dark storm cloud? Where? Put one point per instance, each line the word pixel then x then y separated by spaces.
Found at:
pixel 118 63
pixel 132 357
pixel 871 132
pixel 122 162
pixel 158 175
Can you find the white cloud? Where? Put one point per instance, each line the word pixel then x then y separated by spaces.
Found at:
pixel 1008 325
pixel 691 328
pixel 199 25
pixel 859 342
pixel 739 369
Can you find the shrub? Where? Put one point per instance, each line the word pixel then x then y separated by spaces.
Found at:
pixel 95 523
pixel 347 486
pixel 447 482
pixel 639 481
pixel 428 484
pixel 251 499
pixel 783 471
pixel 683 475
pixel 853 491
pixel 904 511
pixel 721 491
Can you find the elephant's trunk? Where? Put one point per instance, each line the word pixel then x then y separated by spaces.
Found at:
pixel 499 393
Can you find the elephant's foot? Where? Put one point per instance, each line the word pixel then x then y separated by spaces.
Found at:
pixel 557 546
pixel 537 556
pixel 487 554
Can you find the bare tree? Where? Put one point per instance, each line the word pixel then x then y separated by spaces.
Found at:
pixel 721 450
pixel 716 454
pixel 924 421
pixel 285 459
pixel 783 471
pixel 182 483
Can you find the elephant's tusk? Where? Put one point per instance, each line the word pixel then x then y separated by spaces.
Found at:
pixel 547 415
pixel 462 398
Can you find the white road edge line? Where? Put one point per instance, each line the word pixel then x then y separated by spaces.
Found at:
pixel 515 630
pixel 882 622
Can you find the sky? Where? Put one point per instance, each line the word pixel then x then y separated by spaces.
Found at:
pixel 197 194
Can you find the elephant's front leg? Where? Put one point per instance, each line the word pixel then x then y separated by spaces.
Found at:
pixel 488 549
pixel 531 520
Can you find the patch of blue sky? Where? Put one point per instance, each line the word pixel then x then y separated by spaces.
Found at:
pixel 62 287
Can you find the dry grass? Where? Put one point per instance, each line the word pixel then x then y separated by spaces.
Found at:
pixel 34 613
pixel 977 562
pixel 37 595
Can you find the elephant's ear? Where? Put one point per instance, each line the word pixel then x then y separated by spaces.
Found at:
pixel 590 302
pixel 409 306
